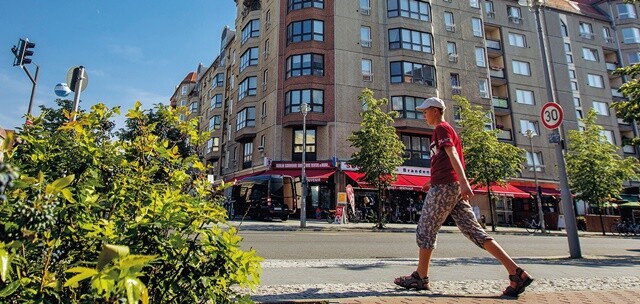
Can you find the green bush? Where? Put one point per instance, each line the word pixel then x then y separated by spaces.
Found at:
pixel 84 199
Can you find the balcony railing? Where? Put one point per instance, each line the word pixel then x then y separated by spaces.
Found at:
pixel 496 73
pixel 615 93
pixel 505 134
pixel 500 102
pixel 611 66
pixel 493 44
pixel 629 149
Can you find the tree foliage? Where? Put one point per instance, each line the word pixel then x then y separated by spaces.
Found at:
pixel 595 170
pixel 379 150
pixel 487 159
pixel 84 200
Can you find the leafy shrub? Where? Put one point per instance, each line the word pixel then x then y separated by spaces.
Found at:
pixel 82 193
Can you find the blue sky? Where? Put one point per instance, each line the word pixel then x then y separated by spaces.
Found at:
pixel 132 50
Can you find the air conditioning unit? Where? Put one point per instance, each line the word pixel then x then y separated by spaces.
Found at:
pixel 450 27
pixel 515 19
pixel 367 77
pixel 453 57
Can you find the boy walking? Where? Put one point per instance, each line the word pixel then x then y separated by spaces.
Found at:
pixel 449 194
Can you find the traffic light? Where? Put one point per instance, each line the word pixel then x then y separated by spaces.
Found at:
pixel 23 52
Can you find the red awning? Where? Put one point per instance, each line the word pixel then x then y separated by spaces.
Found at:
pixel 545 191
pixel 313 175
pixel 507 190
pixel 403 181
pixel 239 177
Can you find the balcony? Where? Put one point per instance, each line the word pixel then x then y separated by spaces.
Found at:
pixel 505 134
pixel 493 44
pixel 615 93
pixel 628 149
pixel 496 72
pixel 500 102
pixel 611 66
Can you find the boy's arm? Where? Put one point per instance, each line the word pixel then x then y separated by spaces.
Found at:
pixel 465 188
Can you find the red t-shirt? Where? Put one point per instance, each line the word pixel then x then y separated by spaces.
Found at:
pixel 441 169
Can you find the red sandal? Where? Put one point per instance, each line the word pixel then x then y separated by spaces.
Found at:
pixel 521 283
pixel 413 281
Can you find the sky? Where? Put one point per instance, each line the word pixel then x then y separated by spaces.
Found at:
pixel 131 50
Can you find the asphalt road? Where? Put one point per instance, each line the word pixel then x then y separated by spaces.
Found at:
pixel 398 245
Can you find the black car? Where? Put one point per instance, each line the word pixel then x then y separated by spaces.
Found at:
pixel 264 197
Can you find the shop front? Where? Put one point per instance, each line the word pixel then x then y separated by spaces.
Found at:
pixel 503 200
pixel 550 199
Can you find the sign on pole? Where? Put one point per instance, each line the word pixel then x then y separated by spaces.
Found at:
pixel 551 115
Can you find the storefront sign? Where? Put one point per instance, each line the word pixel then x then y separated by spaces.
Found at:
pixel 298 165
pixel 408 170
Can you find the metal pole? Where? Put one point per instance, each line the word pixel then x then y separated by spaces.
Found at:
pixel 303 207
pixel 34 82
pixel 566 199
pixel 530 134
pixel 77 89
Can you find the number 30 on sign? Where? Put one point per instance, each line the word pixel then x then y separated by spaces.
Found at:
pixel 551 115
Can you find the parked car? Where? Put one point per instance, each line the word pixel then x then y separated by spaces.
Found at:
pixel 264 197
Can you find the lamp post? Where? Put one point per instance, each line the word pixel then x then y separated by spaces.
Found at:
pixel 304 109
pixel 566 199
pixel 530 134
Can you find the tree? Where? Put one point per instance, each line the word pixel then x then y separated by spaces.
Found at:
pixel 487 159
pixel 629 109
pixel 379 149
pixel 93 219
pixel 595 170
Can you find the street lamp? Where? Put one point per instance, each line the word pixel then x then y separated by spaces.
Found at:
pixel 304 109
pixel 566 199
pixel 530 134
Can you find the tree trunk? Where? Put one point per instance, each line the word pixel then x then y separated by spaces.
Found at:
pixel 601 221
pixel 491 208
pixel 379 224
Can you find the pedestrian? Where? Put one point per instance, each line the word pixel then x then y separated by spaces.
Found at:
pixel 449 193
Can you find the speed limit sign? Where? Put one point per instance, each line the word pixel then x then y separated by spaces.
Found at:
pixel 551 115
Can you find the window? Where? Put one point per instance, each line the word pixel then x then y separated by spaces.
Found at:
pixel 631 35
pixel 248 87
pixel 634 57
pixel 483 86
pixel 579 114
pixel 218 80
pixel 569 58
pixel 452 51
pixel 521 68
pixel 183 103
pixel 534 160
pixel 295 98
pixel 406 106
pixel 574 85
pixel 481 59
pixel 266 48
pixel 529 125
pixel 214 123
pixel 216 101
pixel 409 8
pixel 305 30
pixel 263 141
pixel 252 29
pixel 455 80
pixel 567 47
pixel 249 58
pixel 367 71
pixel 515 14
pixel 606 34
pixel 525 97
pixel 267 19
pixel 365 36
pixel 474 3
pixel 365 7
pixel 590 54
pixel 626 11
pixel 213 145
pixel 300 4
pixel 449 24
pixel 410 72
pixel 247 154
pixel 608 135
pixel 193 107
pixel 576 102
pixel 264 110
pixel 184 90
pixel 601 108
pixel 410 40
pixel 564 29
pixel 298 137
pixel 517 40
pixel 305 64
pixel 488 7
pixel 572 74
pixel 476 24
pixel 595 81
pixel 586 30
pixel 246 118
pixel 416 147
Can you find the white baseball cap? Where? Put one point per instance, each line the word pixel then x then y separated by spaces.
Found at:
pixel 431 102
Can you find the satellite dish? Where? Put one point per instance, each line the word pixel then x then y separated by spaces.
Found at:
pixel 62 90
pixel 524 3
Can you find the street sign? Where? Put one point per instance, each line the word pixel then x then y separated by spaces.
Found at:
pixel 551 115
pixel 72 77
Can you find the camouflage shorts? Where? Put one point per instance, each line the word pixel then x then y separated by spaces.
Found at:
pixel 441 201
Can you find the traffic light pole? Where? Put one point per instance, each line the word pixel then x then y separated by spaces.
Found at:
pixel 34 81
pixel 23 51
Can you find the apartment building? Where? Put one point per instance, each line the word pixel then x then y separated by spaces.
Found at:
pixel 284 53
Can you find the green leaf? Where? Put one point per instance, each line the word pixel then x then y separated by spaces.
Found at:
pixel 68 196
pixel 5 264
pixel 10 289
pixel 82 273
pixel 59 184
pixel 110 252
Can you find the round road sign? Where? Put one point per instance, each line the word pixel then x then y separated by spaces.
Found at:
pixel 551 115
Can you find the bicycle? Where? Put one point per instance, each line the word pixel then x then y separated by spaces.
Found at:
pixel 532 226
